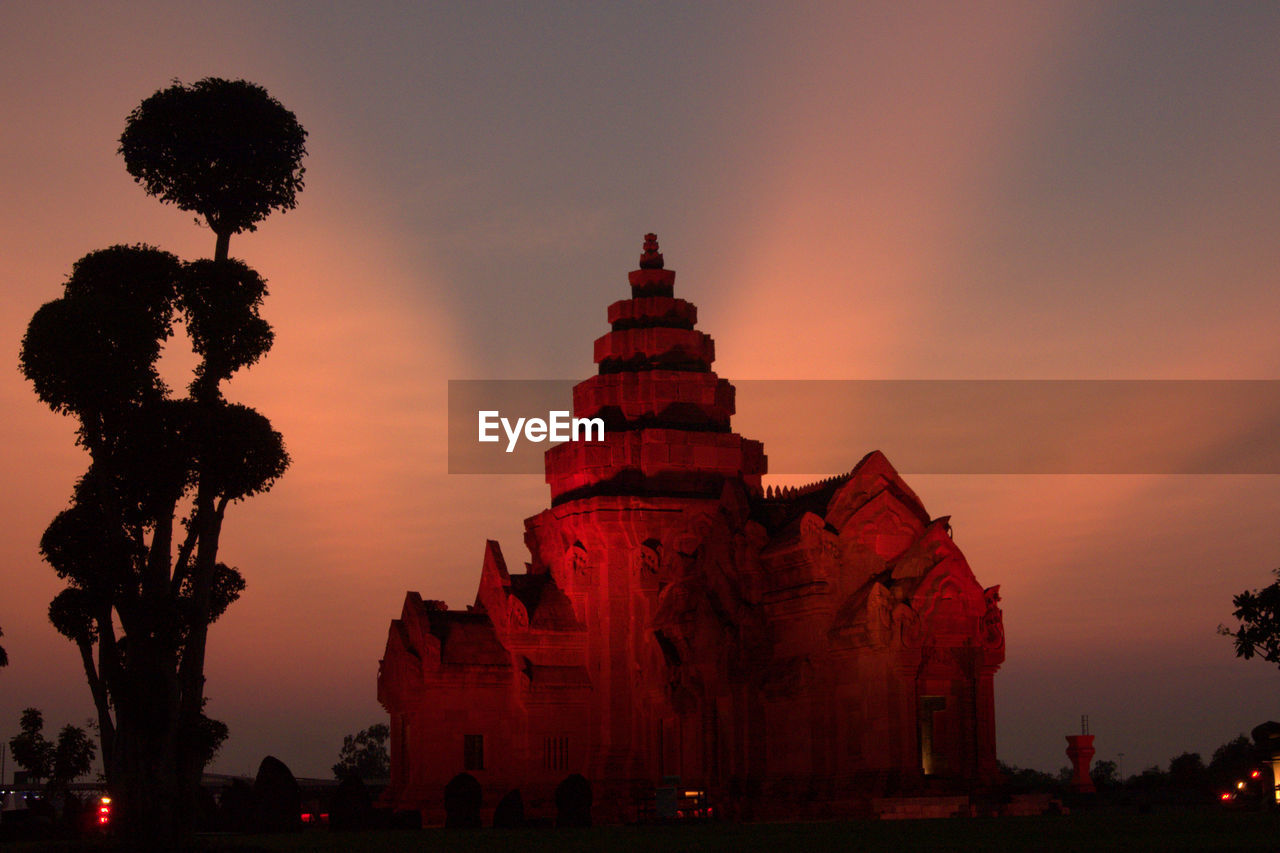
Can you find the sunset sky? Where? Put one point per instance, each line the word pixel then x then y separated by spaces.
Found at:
pixel 847 191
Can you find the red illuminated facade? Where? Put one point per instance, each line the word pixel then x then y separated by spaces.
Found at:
pixel 788 652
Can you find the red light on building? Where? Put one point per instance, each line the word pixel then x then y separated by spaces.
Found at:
pixel 680 621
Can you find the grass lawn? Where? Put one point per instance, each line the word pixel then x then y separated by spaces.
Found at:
pixel 1165 831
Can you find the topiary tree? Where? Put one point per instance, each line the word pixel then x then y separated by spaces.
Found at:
pixel 138 546
pixel 277 798
pixel 224 149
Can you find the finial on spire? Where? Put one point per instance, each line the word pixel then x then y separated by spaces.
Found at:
pixel 651 258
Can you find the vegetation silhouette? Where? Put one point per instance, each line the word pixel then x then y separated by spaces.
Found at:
pixel 1188 781
pixel 1258 612
pixel 510 811
pixel 57 763
pixel 4 657
pixel 224 149
pixel 364 754
pixel 138 546
pixel 277 797
pixel 351 807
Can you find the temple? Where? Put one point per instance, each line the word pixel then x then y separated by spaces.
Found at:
pixel 782 652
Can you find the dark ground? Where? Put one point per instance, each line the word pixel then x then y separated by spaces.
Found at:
pixel 1189 830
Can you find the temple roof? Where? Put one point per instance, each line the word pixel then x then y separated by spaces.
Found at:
pixel 781 508
pixel 666 414
pixel 548 607
pixel 467 637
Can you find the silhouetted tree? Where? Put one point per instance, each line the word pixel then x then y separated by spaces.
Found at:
pixel 73 756
pixel 1258 612
pixel 29 749
pixel 1103 774
pixel 1150 779
pixel 236 807
pixel 59 763
pixel 1187 771
pixel 138 545
pixel 224 149
pixel 351 807
pixel 4 658
pixel 277 797
pixel 364 754
pixel 510 811
pixel 1023 780
pixel 1232 761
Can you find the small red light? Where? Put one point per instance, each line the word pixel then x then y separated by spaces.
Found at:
pixel 1226 797
pixel 1254 775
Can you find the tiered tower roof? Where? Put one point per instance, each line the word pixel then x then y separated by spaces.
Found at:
pixel 666 413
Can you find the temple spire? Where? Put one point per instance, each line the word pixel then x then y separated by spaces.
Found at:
pixel 651 258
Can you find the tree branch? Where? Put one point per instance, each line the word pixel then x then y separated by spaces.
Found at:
pixel 182 565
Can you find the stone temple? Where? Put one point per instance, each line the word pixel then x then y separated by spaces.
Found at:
pixel 783 653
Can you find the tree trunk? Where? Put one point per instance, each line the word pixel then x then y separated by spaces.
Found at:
pixel 222 250
pixel 101 703
pixel 144 752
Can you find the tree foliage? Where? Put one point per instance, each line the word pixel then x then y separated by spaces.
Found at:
pixel 1103 774
pixel 1232 761
pixel 4 657
pixel 224 149
pixel 138 544
pixel 1188 771
pixel 1258 612
pixel 1023 780
pixel 59 763
pixel 364 754
pixel 29 749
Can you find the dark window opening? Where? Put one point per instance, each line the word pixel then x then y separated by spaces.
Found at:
pixel 930 760
pixel 555 753
pixel 473 752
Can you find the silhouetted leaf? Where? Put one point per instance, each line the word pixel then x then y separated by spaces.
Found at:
pixel 1258 612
